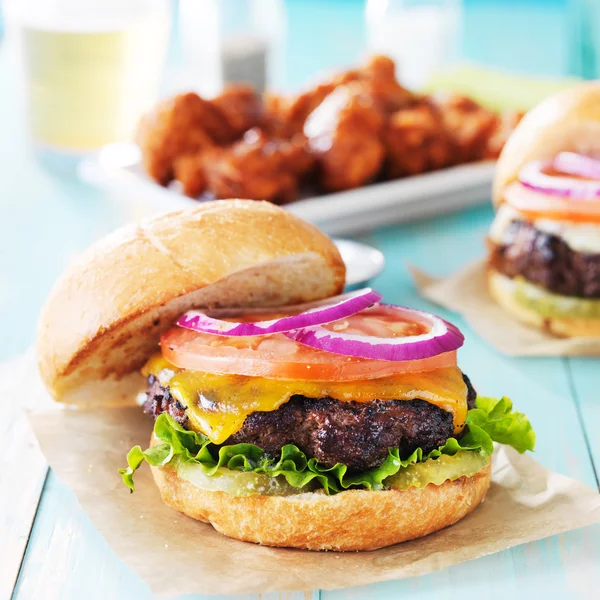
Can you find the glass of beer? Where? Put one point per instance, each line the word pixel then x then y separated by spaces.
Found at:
pixel 90 68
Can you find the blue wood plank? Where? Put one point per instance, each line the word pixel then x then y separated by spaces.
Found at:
pixel 540 387
pixel 66 556
pixel 67 559
pixel 552 568
pixel 585 379
pixel 22 473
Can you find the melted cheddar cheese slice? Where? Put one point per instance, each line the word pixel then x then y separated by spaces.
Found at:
pixel 217 405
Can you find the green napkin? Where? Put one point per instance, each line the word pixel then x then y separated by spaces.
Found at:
pixel 496 89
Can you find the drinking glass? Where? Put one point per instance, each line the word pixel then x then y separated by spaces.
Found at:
pixel 422 36
pixel 90 68
pixel 232 41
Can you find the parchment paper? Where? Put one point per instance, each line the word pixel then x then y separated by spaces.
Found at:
pixel 177 555
pixel 466 292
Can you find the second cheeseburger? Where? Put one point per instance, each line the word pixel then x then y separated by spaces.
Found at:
pixel 285 413
pixel 544 265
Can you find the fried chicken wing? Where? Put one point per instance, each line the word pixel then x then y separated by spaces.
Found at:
pixel 242 107
pixel 504 126
pixel 344 134
pixel 378 76
pixel 380 67
pixel 416 141
pixel 185 124
pixel 297 156
pixel 378 79
pixel 190 171
pixel 257 167
pixel 286 115
pixel 469 125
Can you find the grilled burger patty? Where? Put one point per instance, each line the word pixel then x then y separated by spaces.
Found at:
pixel 546 260
pixel 357 434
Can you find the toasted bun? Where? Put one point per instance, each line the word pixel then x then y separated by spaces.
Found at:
pixel 560 326
pixel 350 520
pixel 106 313
pixel 567 121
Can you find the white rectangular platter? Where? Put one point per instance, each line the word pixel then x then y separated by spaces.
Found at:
pixel 118 169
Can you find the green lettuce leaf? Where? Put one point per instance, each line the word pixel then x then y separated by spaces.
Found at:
pixel 493 420
pixel 503 425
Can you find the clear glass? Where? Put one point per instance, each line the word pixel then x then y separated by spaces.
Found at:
pixel 90 69
pixel 422 36
pixel 227 41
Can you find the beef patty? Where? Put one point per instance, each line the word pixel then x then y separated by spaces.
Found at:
pixel 357 434
pixel 546 260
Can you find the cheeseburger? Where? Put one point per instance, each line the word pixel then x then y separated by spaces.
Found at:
pixel 544 265
pixel 285 412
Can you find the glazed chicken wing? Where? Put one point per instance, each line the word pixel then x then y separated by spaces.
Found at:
pixel 504 126
pixel 469 125
pixel 258 168
pixel 378 77
pixel 477 132
pixel 185 124
pixel 416 141
pixel 346 131
pixel 190 171
pixel 378 80
pixel 344 134
pixel 242 108
pixel 286 115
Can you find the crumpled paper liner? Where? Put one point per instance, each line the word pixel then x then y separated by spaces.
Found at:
pixel 466 293
pixel 177 555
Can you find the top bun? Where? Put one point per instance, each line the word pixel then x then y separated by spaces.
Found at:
pixel 105 315
pixel 567 121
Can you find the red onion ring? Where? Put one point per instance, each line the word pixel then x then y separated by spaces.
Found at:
pixel 572 163
pixel 441 337
pixel 532 176
pixel 318 313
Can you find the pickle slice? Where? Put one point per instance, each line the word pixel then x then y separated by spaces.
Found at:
pixel 437 470
pixel 238 483
pixel 241 483
pixel 547 304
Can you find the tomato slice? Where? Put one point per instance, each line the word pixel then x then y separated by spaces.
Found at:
pixel 277 357
pixel 536 205
pixel 383 321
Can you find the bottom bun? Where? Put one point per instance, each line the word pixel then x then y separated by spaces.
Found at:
pixel 500 287
pixel 350 520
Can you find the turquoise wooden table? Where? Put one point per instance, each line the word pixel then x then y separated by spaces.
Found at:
pixel 48 547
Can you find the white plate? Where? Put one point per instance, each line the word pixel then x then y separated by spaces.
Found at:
pixel 363 262
pixel 117 167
